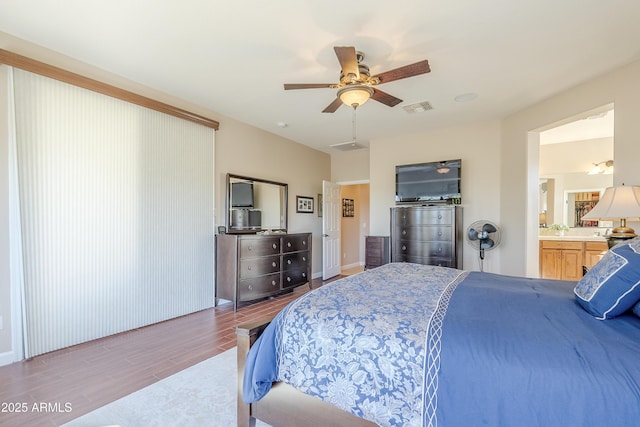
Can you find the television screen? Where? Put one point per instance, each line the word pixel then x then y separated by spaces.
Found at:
pixel 428 182
pixel 242 195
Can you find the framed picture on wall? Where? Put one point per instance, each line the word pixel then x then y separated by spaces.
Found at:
pixel 348 208
pixel 319 204
pixel 304 204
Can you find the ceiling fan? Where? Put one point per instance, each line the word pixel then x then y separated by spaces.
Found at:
pixel 356 82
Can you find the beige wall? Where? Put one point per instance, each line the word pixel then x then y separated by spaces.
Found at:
pixel 354 229
pixel 240 149
pixel 248 151
pixel 520 152
pixel 500 164
pixel 478 145
pixel 350 166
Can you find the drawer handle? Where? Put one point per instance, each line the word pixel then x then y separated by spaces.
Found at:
pixel 288 279
pixel 273 283
pixel 249 248
pixel 304 258
pixel 288 244
pixel 304 274
pixel 249 268
pixel 250 287
pixel 404 232
pixel 275 246
pixel 304 243
pixel 439 249
pixel 289 261
pixel 439 216
pixel 273 264
pixel 404 248
pixel 439 233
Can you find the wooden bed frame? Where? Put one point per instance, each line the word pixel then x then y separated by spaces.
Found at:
pixel 284 406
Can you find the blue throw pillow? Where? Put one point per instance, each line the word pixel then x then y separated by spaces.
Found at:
pixel 612 286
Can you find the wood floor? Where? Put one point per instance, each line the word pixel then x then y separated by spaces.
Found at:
pixel 54 388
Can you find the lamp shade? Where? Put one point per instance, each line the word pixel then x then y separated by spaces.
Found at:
pixel 355 96
pixel 621 202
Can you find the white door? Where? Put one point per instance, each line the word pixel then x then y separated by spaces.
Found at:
pixel 330 229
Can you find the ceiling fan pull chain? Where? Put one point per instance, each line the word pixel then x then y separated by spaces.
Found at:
pixel 353 121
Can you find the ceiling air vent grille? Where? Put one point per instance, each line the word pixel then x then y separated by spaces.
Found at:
pixel 419 107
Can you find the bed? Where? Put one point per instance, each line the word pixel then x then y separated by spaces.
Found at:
pixel 413 345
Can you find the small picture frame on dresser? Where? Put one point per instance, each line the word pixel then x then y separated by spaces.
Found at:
pixel 304 204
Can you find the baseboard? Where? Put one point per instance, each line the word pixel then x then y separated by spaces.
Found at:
pixel 7 358
pixel 354 265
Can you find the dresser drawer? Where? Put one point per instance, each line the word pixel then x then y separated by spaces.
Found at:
pixel 295 261
pixel 419 216
pixel 252 267
pixel 423 249
pixel 294 278
pixel 294 243
pixel 259 287
pixel 258 247
pixel 441 262
pixel 425 233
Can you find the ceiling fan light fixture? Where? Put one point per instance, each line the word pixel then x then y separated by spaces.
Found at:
pixel 598 170
pixel 354 96
pixel 443 168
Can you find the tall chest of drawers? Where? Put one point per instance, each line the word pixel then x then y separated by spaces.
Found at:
pixel 429 235
pixel 250 267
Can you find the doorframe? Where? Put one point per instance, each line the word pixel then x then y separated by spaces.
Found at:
pixel 368 230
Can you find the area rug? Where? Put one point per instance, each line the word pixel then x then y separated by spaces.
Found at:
pixel 201 395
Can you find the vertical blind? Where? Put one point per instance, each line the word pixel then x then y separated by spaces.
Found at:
pixel 116 208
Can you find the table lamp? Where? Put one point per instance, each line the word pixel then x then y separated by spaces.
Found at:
pixel 618 203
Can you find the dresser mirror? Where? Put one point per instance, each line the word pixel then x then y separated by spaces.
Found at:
pixel 255 205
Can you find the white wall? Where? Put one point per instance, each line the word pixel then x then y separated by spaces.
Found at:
pixel 478 145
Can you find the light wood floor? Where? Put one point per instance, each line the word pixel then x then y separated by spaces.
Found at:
pixel 68 383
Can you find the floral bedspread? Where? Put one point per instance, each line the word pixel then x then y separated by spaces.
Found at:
pixel 359 343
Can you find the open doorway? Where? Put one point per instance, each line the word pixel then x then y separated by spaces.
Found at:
pixel 575 164
pixel 354 226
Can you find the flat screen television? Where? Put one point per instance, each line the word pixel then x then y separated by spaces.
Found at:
pixel 428 182
pixel 242 194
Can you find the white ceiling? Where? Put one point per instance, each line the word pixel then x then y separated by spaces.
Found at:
pixel 592 126
pixel 233 57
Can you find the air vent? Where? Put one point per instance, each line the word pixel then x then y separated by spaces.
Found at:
pixel 419 107
pixel 348 146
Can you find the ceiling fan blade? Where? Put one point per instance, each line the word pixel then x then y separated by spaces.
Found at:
pixel 385 98
pixel 331 108
pixel 421 67
pixel 290 86
pixel 348 60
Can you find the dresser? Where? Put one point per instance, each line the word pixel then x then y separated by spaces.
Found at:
pixel 250 267
pixel 429 235
pixel 376 251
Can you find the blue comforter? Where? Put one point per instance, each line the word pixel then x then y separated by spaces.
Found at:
pixel 414 345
